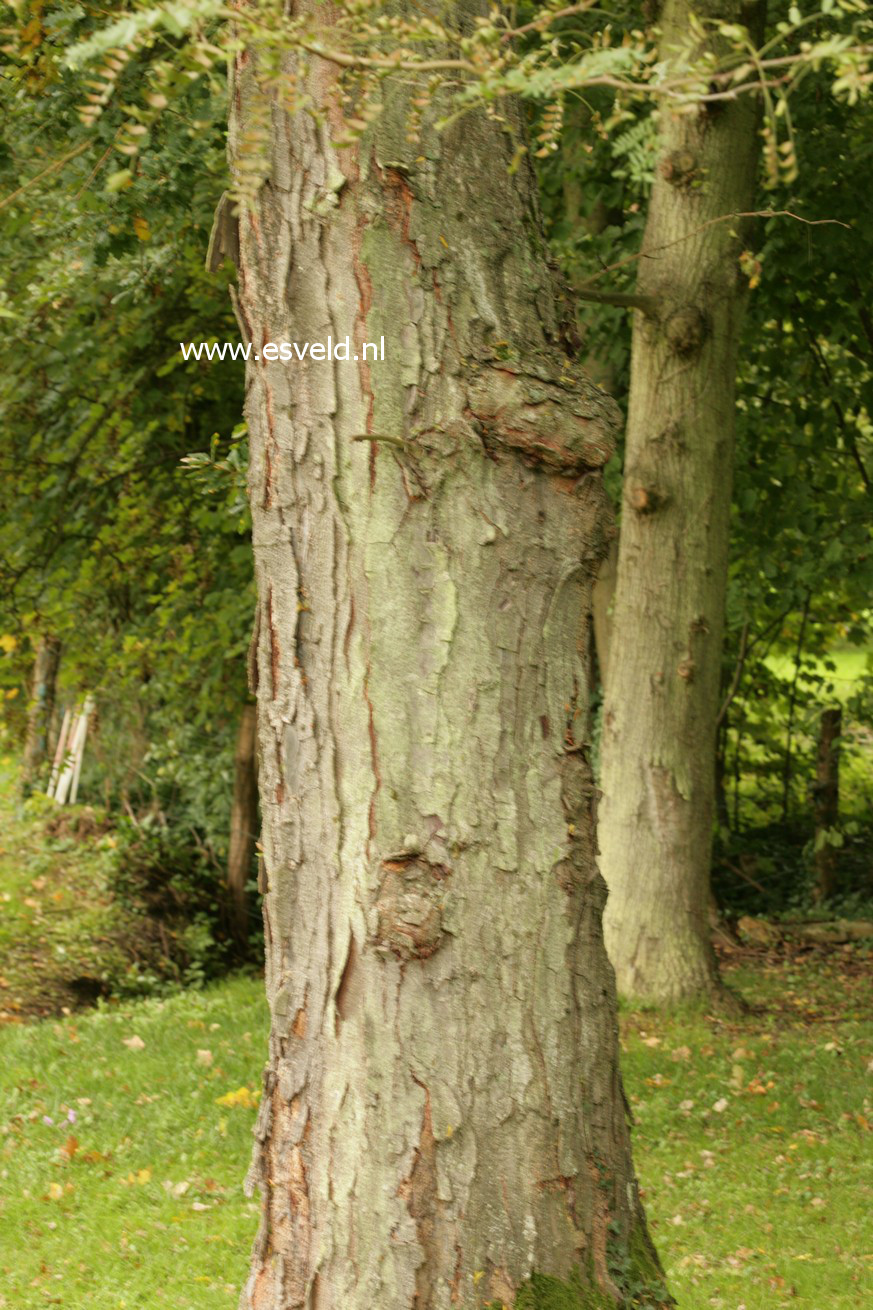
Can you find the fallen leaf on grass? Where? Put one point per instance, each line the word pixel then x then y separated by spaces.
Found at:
pixel 92 1157
pixel 138 1179
pixel 243 1096
pixel 134 1043
pixel 176 1189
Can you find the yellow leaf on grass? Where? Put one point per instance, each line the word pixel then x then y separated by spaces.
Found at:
pixel 243 1096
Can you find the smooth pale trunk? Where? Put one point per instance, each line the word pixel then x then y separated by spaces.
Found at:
pixel 442 1113
pixel 662 694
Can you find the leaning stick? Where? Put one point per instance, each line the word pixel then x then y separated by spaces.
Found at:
pixel 59 751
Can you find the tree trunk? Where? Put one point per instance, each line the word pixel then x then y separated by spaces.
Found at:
pixel 243 823
pixel 662 691
pixel 442 1119
pixel 827 801
pixel 40 710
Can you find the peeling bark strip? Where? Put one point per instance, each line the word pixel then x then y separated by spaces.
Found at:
pixel 443 1042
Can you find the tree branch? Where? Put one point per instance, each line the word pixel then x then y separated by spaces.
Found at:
pixel 738 673
pixel 648 304
pixel 723 218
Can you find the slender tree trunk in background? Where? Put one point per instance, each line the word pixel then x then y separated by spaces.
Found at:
pixel 243 822
pixel 722 812
pixel 40 710
pixel 788 760
pixel 827 801
pixel 663 687
pixel 442 1114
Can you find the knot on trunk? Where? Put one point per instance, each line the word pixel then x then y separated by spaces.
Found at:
pixel 563 423
pixel 679 167
pixel 409 906
pixel 645 500
pixel 686 330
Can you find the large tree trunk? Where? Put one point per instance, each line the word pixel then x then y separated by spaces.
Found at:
pixel 40 710
pixel 662 691
pixel 442 1115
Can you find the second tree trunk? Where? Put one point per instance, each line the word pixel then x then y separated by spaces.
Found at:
pixel 665 649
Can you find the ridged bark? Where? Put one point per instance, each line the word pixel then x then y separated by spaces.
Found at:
pixel 662 692
pixel 442 1114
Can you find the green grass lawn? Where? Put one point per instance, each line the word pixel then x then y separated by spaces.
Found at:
pixel 753 1138
pixel 752 1143
pixel 125 1132
pixel 120 1170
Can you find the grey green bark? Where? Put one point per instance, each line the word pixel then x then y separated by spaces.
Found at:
pixel 442 1114
pixel 662 692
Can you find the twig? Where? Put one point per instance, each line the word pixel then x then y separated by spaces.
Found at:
pixel 734 868
pixel 821 359
pixel 388 65
pixel 51 168
pixel 546 20
pixel 738 673
pixel 94 171
pixel 723 218
pixel 792 704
